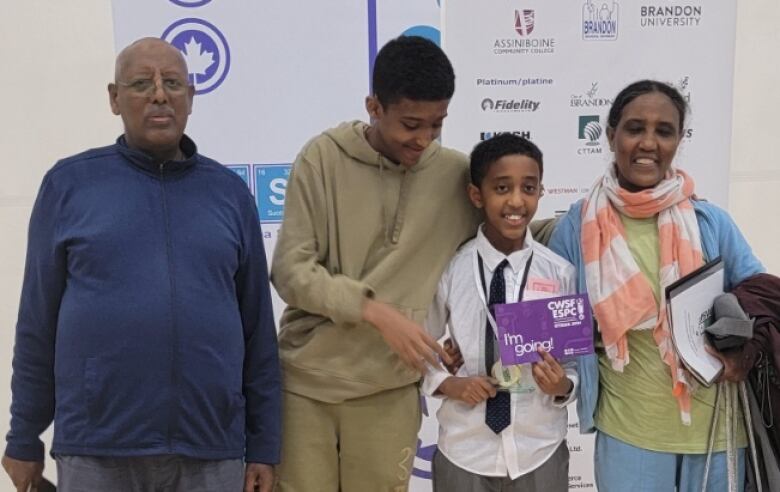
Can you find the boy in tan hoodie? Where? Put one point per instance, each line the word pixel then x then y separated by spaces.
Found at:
pixel 373 214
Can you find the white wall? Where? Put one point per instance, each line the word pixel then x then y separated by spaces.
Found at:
pixel 58 57
pixel 754 199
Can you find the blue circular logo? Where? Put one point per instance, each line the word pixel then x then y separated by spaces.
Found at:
pixel 204 48
pixel 428 32
pixel 194 3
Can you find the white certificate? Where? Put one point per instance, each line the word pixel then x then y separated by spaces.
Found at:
pixel 689 306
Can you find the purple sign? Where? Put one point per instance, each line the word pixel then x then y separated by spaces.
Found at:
pixel 563 326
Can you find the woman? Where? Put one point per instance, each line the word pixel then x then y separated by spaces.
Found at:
pixel 640 229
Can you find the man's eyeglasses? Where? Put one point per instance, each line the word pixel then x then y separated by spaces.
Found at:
pixel 147 87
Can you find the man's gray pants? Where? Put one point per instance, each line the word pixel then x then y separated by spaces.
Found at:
pixel 148 474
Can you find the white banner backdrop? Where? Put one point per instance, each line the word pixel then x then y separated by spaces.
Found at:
pixel 550 70
pixel 270 75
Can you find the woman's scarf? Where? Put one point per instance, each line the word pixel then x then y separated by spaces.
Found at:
pixel 621 296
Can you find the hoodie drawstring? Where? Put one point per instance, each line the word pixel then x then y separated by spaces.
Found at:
pixel 393 235
pixel 400 208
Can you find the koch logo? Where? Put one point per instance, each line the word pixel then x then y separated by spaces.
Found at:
pixel 204 48
pixel 270 190
pixel 509 105
pixel 520 133
pixel 599 23
pixel 589 130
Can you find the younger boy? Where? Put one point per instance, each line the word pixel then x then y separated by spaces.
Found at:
pixel 373 213
pixel 509 438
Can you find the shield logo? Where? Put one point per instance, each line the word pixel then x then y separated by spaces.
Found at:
pixel 524 22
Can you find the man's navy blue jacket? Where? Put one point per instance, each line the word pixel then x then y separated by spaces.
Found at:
pixel 145 325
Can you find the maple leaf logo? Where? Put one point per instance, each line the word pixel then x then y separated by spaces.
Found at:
pixel 198 59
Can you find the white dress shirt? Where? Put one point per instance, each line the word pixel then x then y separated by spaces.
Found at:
pixel 538 422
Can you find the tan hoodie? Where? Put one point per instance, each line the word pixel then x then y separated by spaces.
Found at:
pixel 355 225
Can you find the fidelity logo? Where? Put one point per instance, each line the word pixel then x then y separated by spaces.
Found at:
pixel 590 131
pixel 524 44
pixel 670 16
pixel 589 98
pixel 520 133
pixel 599 23
pixel 509 105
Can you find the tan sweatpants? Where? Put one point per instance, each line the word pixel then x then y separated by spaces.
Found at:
pixel 360 445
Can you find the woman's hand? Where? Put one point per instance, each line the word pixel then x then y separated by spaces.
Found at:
pixel 735 368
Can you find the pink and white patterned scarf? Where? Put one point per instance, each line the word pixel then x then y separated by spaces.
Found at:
pixel 621 296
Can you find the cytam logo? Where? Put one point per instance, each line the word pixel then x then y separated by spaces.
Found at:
pixel 205 50
pixel 590 129
pixel 599 23
pixel 524 22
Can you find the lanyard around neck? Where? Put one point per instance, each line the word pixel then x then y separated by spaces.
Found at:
pixel 519 288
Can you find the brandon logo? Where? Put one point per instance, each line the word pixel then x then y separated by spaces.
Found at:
pixel 509 105
pixel 520 133
pixel 599 23
pixel 670 15
pixel 589 99
pixel 524 22
pixel 590 131
pixel 204 48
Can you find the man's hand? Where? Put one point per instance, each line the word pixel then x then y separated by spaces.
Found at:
pixel 26 475
pixel 471 390
pixel 258 476
pixel 550 376
pixel 405 337
pixel 454 352
pixel 735 367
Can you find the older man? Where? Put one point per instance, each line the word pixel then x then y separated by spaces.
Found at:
pixel 145 328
